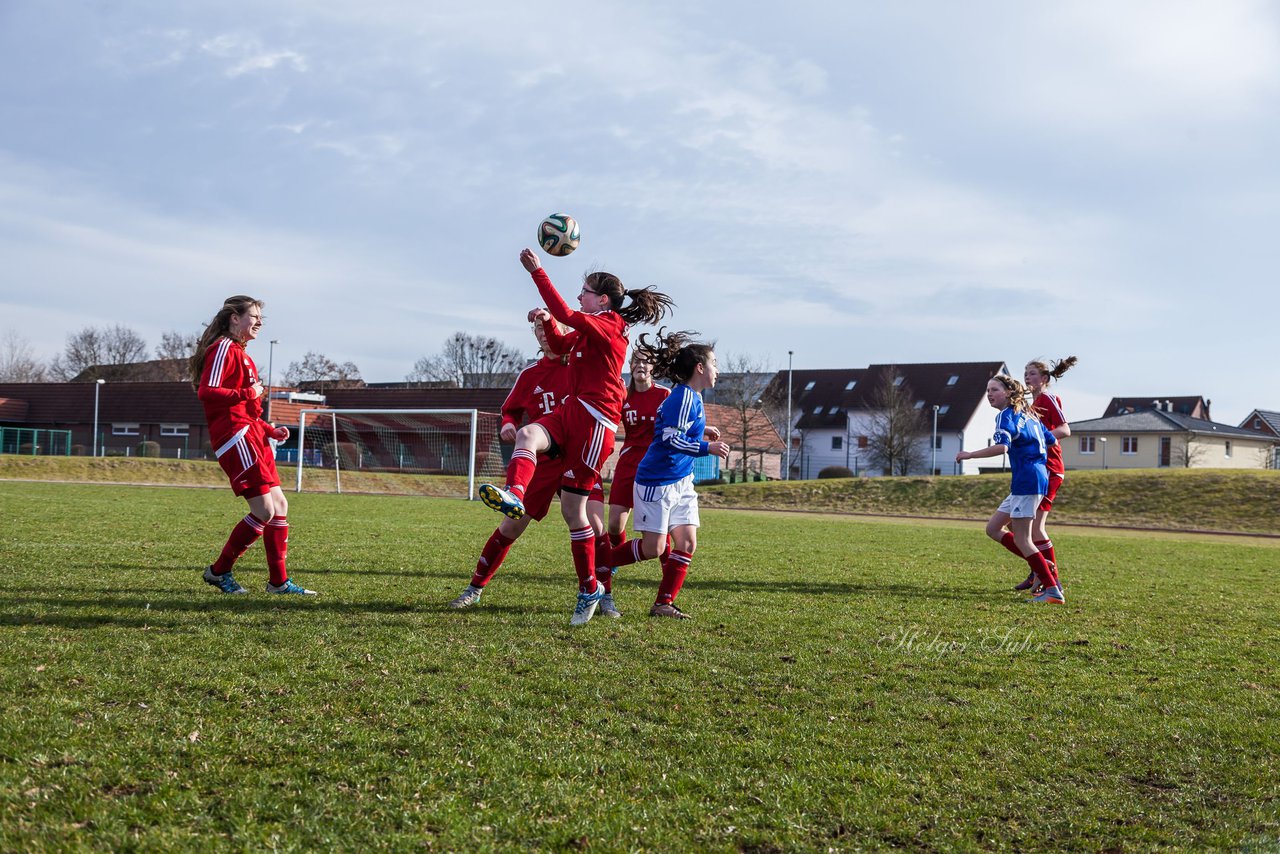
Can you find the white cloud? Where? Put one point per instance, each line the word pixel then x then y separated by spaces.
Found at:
pixel 246 54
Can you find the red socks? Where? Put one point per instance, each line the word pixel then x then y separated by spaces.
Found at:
pixel 1009 543
pixel 491 557
pixel 674 570
pixel 276 545
pixel 1046 549
pixel 582 543
pixel 520 470
pixel 1043 570
pixel 243 535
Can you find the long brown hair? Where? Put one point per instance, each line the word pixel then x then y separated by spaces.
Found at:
pixel 647 304
pixel 218 327
pixel 674 355
pixel 1060 367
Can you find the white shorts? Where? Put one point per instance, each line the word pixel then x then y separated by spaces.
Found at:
pixel 660 509
pixel 1020 506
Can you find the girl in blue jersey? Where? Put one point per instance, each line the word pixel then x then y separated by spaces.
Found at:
pixel 1024 438
pixel 665 502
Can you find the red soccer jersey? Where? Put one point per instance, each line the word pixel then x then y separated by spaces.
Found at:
pixel 638 416
pixel 226 391
pixel 1049 408
pixel 596 358
pixel 538 390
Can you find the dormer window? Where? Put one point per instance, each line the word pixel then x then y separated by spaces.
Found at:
pixel 954 378
pixel 897 381
pixel 849 385
pixel 809 385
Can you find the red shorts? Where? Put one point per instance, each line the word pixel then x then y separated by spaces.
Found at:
pixel 546 483
pixel 584 444
pixel 622 490
pixel 1055 481
pixel 250 463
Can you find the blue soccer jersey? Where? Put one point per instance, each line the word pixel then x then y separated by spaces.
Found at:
pixel 1026 440
pixel 677 439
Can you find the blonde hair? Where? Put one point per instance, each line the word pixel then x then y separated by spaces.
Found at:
pixel 1018 394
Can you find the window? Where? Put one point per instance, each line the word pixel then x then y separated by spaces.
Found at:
pixel 898 381
pixel 817 410
pixel 1128 444
pixel 919 404
pixel 175 429
pixel 833 410
pixel 937 443
pixel 862 442
pixel 942 410
pixel 1257 424
pixel 953 379
pixel 124 429
pixel 809 385
pixel 837 443
pixel 1228 449
pixel 1087 445
pixel 849 386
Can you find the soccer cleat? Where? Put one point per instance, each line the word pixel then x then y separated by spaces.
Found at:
pixel 585 609
pixel 469 597
pixel 607 607
pixel 1051 596
pixel 226 582
pixel 1027 583
pixel 502 500
pixel 289 587
pixel 666 609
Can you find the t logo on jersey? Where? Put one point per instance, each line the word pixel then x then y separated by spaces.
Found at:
pixel 629 415
pixel 548 402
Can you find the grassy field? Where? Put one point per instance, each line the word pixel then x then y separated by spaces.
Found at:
pixel 846 683
pixel 1235 501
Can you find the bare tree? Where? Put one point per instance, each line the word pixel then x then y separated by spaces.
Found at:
pixel 895 426
pixel 471 361
pixel 173 351
pixel 1188 453
pixel 18 363
pixel 94 346
pixel 317 371
pixel 742 386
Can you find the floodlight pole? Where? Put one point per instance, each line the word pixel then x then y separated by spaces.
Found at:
pixel 1103 440
pixel 271 359
pixel 933 462
pixel 96 386
pixel 790 353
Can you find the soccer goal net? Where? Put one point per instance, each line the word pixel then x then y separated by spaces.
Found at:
pixel 397 451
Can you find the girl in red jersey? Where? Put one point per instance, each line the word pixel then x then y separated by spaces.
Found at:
pixel 1037 375
pixel 228 385
pixel 638 414
pixel 583 429
pixel 538 390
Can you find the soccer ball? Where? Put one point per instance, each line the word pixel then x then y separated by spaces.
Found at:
pixel 558 234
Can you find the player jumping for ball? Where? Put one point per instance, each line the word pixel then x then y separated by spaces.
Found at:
pixel 583 428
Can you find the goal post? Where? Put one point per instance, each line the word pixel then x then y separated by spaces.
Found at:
pixel 398 451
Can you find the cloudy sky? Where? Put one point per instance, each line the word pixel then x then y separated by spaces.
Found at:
pixel 857 182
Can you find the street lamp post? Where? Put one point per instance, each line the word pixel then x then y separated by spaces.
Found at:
pixel 933 460
pixel 787 476
pixel 96 386
pixel 271 360
pixel 1103 440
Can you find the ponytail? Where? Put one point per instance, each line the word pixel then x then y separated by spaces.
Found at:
pixel 218 327
pixel 672 355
